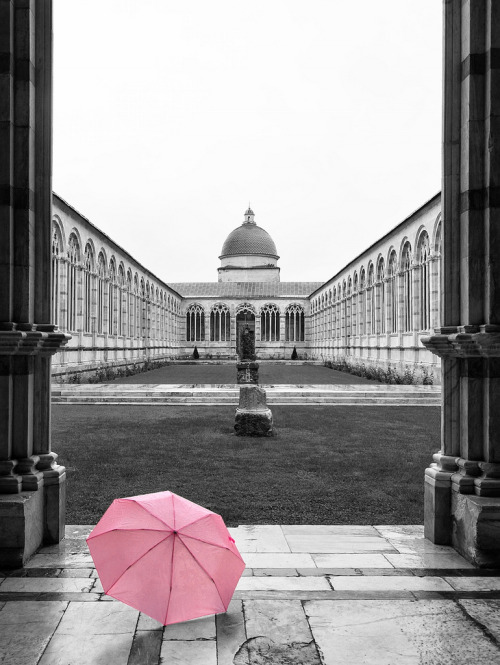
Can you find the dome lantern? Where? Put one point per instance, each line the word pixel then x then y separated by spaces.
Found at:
pixel 249 216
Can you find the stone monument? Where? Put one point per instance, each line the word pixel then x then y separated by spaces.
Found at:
pixel 247 368
pixel 253 417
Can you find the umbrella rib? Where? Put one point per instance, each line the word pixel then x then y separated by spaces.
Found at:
pixel 171 579
pixel 203 569
pixel 154 516
pixel 208 542
pixel 142 555
pixel 105 533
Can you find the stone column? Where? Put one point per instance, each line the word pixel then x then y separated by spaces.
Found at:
pixel 462 497
pixel 31 483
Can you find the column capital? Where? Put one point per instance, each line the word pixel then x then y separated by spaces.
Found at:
pixel 465 341
pixel 30 339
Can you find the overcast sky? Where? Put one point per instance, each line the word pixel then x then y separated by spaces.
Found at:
pixel 170 117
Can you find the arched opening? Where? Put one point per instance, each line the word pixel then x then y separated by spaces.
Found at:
pixel 245 318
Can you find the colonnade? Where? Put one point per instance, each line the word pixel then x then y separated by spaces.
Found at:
pixel 384 300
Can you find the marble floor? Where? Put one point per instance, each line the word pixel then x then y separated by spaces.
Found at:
pixel 310 595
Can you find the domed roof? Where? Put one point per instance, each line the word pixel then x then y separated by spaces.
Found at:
pixel 249 239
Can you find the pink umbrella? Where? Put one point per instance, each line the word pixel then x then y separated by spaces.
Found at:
pixel 166 556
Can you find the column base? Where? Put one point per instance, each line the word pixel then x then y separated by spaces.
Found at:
pixel 476 528
pixel 21 526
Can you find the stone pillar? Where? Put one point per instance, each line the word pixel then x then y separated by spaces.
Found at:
pixel 31 483
pixel 462 496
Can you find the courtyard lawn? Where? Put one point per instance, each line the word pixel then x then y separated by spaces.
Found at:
pixel 326 465
pixel 268 375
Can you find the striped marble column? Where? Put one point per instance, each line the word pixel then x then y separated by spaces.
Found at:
pixel 463 485
pixel 31 483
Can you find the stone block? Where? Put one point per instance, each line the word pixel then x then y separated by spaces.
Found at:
pixel 476 528
pixel 55 508
pixel 247 372
pixel 253 423
pixel 437 511
pixel 21 526
pixel 252 398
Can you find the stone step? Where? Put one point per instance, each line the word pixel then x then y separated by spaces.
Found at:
pixel 214 398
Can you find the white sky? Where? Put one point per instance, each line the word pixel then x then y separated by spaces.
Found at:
pixel 169 117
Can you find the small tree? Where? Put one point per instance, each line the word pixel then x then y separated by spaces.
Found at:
pixel 196 355
pixel 295 355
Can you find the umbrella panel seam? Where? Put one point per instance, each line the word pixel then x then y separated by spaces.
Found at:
pixel 207 542
pixel 205 571
pixel 171 579
pixel 142 555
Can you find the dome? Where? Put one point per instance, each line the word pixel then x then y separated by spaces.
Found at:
pixel 249 239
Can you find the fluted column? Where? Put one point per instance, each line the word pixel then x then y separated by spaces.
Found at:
pixel 31 483
pixel 463 485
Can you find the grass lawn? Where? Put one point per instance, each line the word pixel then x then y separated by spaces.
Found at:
pixel 327 465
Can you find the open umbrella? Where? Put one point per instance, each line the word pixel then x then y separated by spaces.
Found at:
pixel 166 556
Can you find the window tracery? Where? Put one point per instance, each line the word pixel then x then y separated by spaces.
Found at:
pixel 294 323
pixel 73 261
pixel 88 284
pixel 220 323
pixel 195 324
pixel 270 323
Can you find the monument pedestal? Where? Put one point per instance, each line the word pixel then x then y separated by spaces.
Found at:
pixel 21 526
pixel 253 417
pixel 476 528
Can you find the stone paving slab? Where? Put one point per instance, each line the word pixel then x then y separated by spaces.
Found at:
pixel 422 605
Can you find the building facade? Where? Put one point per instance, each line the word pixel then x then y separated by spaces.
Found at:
pixel 117 312
pixel 374 310
pixel 378 308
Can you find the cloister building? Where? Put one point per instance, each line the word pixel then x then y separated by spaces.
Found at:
pixel 118 313
pixel 396 286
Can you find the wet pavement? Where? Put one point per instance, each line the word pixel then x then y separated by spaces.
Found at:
pixel 311 595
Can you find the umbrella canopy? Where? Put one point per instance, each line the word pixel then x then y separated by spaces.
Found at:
pixel 166 556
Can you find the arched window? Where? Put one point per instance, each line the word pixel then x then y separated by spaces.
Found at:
pixel 119 299
pixel 130 305
pixel 362 302
pixel 142 306
pixel 73 260
pixel 406 288
pixel 137 306
pixel 88 283
pixel 371 299
pixel 424 291
pixel 436 279
pixel 147 311
pixel 112 298
pixel 334 312
pixel 380 299
pixel 220 324
pixel 270 323
pixel 294 323
pixel 349 307
pixel 195 324
pixel 101 291
pixel 355 305
pixel 56 275
pixel 392 293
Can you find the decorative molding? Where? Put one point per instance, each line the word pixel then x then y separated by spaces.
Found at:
pixel 465 342
pixel 30 339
